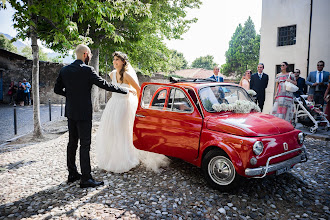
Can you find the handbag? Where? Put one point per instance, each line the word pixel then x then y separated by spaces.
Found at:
pixel 290 87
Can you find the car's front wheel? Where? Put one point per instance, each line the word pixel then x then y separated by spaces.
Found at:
pixel 219 171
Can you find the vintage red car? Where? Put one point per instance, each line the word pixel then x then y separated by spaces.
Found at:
pixel 215 126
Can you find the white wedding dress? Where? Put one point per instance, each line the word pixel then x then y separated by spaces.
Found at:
pixel 115 151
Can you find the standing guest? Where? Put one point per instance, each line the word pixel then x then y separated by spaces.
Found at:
pixel 301 83
pixel 283 106
pixel 75 82
pixel 245 81
pixel 20 94
pixel 26 92
pixel 259 83
pixel 318 82
pixel 327 99
pixel 215 75
pixel 12 91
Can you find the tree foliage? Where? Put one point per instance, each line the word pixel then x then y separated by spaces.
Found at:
pixel 206 62
pixel 177 61
pixel 6 44
pixel 27 52
pixel 243 51
pixel 134 27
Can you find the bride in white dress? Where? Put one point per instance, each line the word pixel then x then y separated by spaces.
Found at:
pixel 115 151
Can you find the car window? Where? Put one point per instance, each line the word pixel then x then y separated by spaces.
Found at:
pixel 221 94
pixel 159 99
pixel 154 96
pixel 178 101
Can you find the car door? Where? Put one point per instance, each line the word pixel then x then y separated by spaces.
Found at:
pixel 172 129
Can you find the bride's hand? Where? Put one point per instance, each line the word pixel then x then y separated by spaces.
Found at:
pixel 132 91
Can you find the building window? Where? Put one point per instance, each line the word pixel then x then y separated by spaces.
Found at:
pixel 289 69
pixel 287 35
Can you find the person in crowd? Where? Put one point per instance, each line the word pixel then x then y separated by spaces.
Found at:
pixel 20 94
pixel 245 81
pixel 327 100
pixel 75 82
pixel 301 83
pixel 259 83
pixel 215 75
pixel 12 92
pixel 283 106
pixel 318 82
pixel 27 87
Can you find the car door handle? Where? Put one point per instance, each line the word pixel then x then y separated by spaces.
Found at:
pixel 140 116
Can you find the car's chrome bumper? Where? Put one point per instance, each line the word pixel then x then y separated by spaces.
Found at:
pixel 261 172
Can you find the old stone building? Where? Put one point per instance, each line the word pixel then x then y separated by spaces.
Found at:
pixel 14 67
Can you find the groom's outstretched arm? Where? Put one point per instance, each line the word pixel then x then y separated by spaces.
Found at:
pixel 100 82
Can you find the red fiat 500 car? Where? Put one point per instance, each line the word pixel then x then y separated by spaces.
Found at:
pixel 215 126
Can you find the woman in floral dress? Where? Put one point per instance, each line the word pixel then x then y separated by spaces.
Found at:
pixel 283 106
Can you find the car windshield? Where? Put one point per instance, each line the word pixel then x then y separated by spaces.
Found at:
pixel 222 94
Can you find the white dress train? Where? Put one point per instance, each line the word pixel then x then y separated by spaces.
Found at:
pixel 115 151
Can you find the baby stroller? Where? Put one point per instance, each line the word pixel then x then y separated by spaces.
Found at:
pixel 309 115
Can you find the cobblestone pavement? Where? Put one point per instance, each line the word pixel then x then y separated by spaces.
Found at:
pixel 33 175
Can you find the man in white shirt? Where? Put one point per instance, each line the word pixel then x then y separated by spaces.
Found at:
pixel 318 82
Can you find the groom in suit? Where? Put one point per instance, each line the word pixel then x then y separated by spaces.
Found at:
pixel 318 82
pixel 259 83
pixel 75 83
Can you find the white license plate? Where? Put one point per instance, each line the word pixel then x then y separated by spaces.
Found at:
pixel 282 170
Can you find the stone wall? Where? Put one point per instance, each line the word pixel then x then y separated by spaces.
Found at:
pixel 15 67
pixel 48 72
pixel 19 69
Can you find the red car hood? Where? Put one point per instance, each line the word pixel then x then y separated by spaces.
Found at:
pixel 249 125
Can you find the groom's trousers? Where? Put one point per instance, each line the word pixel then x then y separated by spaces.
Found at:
pixel 79 130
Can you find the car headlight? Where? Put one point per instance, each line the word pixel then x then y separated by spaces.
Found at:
pixel 301 138
pixel 258 147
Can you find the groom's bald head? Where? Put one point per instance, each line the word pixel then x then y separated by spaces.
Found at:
pixel 83 53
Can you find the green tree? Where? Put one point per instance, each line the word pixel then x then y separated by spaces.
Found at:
pixel 27 17
pixel 206 62
pixel 107 26
pixel 27 52
pixel 177 60
pixel 143 36
pixel 243 51
pixel 134 27
pixel 57 59
pixel 6 44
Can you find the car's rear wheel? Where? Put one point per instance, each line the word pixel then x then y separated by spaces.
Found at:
pixel 219 171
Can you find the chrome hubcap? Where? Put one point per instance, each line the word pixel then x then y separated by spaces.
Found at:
pixel 221 170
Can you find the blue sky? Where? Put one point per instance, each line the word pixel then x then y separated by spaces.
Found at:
pixel 217 21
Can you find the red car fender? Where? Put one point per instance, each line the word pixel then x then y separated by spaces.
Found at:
pixel 207 144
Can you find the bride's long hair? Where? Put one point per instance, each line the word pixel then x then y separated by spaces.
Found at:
pixel 123 58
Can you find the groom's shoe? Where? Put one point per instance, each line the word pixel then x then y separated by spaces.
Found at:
pixel 90 183
pixel 73 178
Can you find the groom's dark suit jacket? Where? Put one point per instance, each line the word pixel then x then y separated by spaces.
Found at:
pixel 75 83
pixel 259 85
